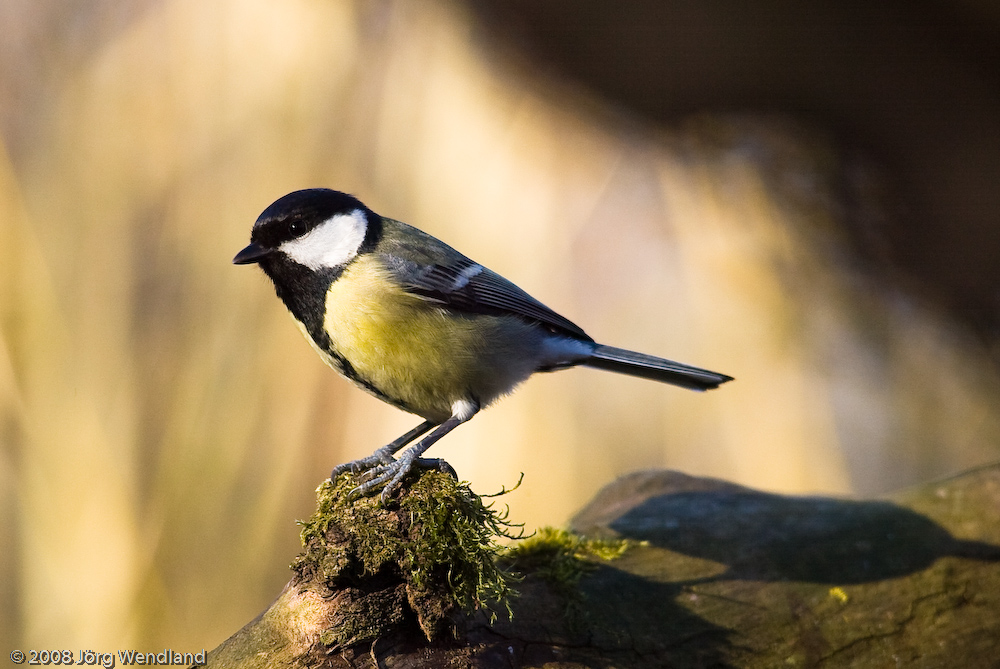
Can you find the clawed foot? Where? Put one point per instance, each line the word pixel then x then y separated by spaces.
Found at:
pixel 381 468
pixel 381 457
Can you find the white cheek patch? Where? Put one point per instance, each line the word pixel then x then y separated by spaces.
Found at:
pixel 331 243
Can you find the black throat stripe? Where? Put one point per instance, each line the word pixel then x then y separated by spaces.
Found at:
pixel 303 291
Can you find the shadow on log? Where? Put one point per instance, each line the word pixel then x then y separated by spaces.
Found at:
pixel 714 575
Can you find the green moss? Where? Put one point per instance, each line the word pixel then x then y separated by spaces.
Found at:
pixel 424 556
pixel 561 558
pixel 455 542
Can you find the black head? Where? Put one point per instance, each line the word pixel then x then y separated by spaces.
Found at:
pixel 299 213
pixel 303 241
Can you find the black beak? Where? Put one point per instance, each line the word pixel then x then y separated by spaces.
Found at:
pixel 251 254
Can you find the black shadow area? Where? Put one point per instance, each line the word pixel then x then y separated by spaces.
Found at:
pixel 768 537
pixel 611 620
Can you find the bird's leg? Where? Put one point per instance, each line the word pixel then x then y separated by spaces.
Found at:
pixel 391 474
pixel 382 456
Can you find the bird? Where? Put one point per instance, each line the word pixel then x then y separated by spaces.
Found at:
pixel 417 324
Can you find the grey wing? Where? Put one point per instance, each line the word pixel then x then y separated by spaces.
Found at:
pixel 465 286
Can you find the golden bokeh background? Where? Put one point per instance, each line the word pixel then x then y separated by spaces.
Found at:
pixel 162 422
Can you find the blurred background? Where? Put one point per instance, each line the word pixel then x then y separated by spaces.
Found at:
pixel 800 194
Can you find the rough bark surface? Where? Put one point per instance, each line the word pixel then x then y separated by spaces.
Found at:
pixel 720 576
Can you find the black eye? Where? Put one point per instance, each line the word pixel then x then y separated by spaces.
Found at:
pixel 297 228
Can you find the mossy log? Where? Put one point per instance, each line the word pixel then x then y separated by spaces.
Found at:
pixel 712 575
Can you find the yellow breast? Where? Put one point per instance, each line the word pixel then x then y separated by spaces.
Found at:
pixel 417 354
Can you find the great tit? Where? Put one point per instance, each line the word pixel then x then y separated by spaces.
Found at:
pixel 416 323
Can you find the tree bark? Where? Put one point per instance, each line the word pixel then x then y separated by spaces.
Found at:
pixel 717 575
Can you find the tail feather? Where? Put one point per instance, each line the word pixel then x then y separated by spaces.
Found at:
pixel 650 367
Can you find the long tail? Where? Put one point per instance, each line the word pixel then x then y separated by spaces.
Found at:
pixel 650 367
